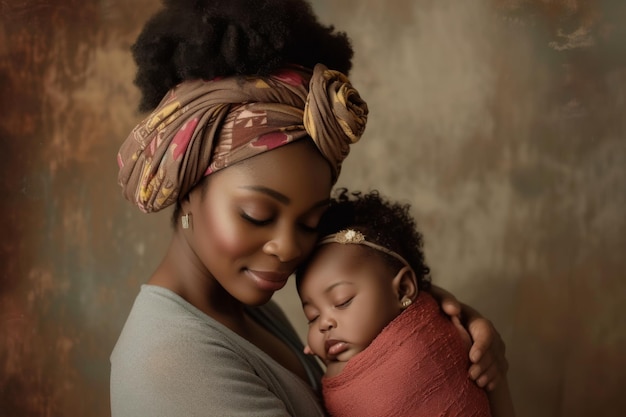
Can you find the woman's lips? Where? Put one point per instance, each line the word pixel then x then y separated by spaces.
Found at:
pixel 269 280
pixel 335 347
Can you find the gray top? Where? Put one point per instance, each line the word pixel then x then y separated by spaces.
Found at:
pixel 173 360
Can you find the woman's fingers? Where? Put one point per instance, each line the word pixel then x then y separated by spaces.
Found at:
pixel 482 332
pixel 465 336
pixel 448 302
pixel 490 377
pixel 487 353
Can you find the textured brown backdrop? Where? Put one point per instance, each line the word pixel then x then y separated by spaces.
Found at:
pixel 501 121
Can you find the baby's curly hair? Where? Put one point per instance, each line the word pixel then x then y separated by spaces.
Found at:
pixel 192 39
pixel 382 222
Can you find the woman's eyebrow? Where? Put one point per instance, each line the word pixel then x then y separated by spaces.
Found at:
pixel 280 196
pixel 268 191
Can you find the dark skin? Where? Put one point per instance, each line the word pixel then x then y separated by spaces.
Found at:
pixel 350 294
pixel 248 220
pixel 487 353
pixel 251 225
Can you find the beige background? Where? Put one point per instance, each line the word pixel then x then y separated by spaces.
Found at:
pixel 502 122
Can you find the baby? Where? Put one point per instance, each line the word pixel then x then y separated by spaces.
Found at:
pixel 388 349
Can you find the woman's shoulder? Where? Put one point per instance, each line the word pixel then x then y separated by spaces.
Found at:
pixel 168 348
pixel 165 335
pixel 162 321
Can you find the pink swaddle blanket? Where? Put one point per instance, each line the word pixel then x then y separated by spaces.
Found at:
pixel 417 367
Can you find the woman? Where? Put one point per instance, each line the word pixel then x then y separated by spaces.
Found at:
pixel 248 130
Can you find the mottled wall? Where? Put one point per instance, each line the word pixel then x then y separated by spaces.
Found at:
pixel 73 252
pixel 501 121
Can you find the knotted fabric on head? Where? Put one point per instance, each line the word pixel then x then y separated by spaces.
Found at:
pixel 203 126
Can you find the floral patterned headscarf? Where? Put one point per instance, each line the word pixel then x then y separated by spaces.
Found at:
pixel 203 126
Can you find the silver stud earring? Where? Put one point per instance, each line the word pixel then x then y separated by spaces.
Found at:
pixel 406 302
pixel 186 221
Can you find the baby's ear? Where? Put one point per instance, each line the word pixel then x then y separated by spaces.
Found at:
pixel 405 284
pixel 308 351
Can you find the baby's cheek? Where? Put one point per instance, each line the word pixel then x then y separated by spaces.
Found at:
pixel 316 347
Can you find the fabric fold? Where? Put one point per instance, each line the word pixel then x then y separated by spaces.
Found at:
pixel 416 367
pixel 203 126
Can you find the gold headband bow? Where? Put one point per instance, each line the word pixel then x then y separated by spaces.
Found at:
pixel 351 236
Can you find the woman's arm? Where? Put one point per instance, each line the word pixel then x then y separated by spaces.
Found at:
pixel 500 400
pixel 487 352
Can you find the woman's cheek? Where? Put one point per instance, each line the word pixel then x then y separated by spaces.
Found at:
pixel 230 235
pixel 307 242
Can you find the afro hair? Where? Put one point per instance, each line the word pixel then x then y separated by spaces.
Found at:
pixel 383 222
pixel 204 39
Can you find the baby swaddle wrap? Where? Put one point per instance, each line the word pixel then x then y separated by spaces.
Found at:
pixel 417 367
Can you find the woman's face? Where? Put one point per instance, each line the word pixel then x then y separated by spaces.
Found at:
pixel 254 222
pixel 348 296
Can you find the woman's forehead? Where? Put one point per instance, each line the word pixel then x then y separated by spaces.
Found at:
pixel 296 171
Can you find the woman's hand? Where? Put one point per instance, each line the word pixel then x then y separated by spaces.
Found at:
pixel 487 353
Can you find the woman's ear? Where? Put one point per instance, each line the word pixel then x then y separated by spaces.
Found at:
pixel 405 284
pixel 185 202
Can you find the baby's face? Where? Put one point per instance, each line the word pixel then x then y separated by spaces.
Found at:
pixel 348 297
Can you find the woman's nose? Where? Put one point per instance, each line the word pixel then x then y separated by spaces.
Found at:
pixel 284 245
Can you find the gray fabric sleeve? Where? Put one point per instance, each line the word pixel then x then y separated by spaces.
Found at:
pixel 171 361
pixel 273 318
pixel 171 383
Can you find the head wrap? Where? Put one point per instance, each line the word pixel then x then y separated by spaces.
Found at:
pixel 203 126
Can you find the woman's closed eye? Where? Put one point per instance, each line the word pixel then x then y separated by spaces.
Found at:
pixel 267 221
pixel 308 228
pixel 255 221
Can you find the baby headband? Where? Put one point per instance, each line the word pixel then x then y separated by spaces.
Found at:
pixel 351 236
pixel 203 126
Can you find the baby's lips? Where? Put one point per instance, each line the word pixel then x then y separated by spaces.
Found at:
pixel 335 347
